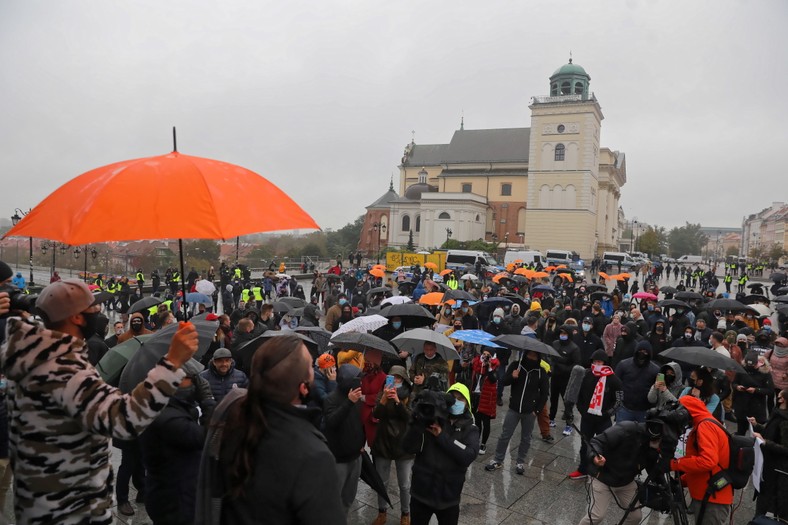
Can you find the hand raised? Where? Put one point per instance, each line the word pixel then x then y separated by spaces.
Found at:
pixel 184 344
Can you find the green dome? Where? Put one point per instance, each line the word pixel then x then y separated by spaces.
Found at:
pixel 570 69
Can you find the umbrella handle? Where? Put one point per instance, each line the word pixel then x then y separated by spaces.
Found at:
pixel 183 275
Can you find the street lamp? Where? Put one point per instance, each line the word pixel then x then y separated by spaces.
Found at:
pixel 15 218
pixel 93 255
pixel 382 228
pixel 505 241
pixel 448 236
pixel 54 246
pixel 632 236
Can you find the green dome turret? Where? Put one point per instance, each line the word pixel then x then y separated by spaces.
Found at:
pixel 570 79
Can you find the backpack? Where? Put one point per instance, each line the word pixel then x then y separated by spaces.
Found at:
pixel 742 457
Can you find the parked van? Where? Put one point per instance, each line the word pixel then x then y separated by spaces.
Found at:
pixel 556 257
pixel 690 259
pixel 465 260
pixel 527 256
pixel 613 258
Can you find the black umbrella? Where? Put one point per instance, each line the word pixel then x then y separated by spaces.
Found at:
pixel 543 288
pixel 777 277
pixel 380 290
pixel 668 289
pixel 458 295
pixel 756 298
pixel 519 279
pixel 361 341
pixel 524 342
pixel 156 347
pixel 781 299
pixel 295 302
pixel 281 307
pixel 673 303
pixel 406 287
pixel 725 304
pixel 782 308
pixel 702 356
pixel 688 296
pixel 600 295
pixel 144 304
pixel 413 315
pixel 755 285
pixel 370 476
pixel 517 299
pixel 783 290
pixel 596 288
pixel 333 276
pixel 319 335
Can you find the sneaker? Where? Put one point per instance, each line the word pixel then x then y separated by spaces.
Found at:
pixel 405 519
pixel 520 469
pixel 568 430
pixel 126 509
pixel 548 438
pixel 482 449
pixel 381 519
pixel 494 465
pixel 577 475
pixel 552 423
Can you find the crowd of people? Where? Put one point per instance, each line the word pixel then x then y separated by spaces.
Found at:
pixel 293 419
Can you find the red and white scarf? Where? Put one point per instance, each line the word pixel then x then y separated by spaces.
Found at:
pixel 595 406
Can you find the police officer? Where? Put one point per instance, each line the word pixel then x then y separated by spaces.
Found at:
pixel 140 280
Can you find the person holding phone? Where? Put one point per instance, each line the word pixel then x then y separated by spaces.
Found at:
pixel 667 387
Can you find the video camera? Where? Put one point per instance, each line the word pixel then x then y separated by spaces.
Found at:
pixel 20 301
pixel 432 407
pixel 669 423
pixel 436 382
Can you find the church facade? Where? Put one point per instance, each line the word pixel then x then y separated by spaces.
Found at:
pixel 549 186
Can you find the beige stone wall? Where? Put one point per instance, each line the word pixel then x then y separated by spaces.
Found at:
pixel 561 229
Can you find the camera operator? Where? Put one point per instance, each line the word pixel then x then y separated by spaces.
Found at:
pixel 442 435
pixel 617 456
pixel 429 365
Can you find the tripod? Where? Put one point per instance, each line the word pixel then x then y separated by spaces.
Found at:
pixel 661 492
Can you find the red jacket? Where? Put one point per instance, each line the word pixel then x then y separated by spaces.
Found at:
pixel 371 385
pixel 489 388
pixel 708 452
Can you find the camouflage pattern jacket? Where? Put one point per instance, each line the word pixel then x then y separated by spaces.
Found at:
pixel 61 416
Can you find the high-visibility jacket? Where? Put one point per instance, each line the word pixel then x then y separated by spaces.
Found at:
pixel 258 293
pixel 140 277
pixel 245 295
pixel 176 277
pixel 743 279
pixel 99 282
pixel 237 273
pixel 728 278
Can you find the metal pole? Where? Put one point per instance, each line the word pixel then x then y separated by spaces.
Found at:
pixel 85 275
pixel 237 248
pixel 54 252
pixel 31 262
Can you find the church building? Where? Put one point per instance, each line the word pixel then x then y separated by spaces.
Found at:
pixel 548 186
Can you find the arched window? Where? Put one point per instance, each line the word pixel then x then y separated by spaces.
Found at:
pixel 544 196
pixel 554 89
pixel 444 215
pixel 566 88
pixel 405 223
pixel 560 152
pixel 578 88
pixel 418 223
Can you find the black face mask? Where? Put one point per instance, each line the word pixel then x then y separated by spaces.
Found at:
pixel 136 326
pixel 641 359
pixel 91 322
pixel 691 382
pixel 186 393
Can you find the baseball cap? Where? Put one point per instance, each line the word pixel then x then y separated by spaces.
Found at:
pixel 63 299
pixel 326 361
pixel 221 353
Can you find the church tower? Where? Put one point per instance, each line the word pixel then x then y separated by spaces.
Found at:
pixel 563 170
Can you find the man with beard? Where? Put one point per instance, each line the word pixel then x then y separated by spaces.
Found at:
pixel 136 328
pixel 372 380
pixel 637 374
pixel 117 328
pixel 222 376
pixel 568 357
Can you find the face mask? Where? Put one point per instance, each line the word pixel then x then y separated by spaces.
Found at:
pixel 458 408
pixel 563 337
pixel 586 327
pixel 136 326
pixel 659 329
pixel 669 379
pixel 767 328
pixel 688 336
pixel 91 321
pixel 641 358
pixel 650 308
pixel 447 312
pixel 465 309
pixel 185 393
pixel 679 311
pixel 342 302
pixel 457 327
pixel 396 325
pixel 691 382
pixel 497 320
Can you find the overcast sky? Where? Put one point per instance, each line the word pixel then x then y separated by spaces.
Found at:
pixel 321 97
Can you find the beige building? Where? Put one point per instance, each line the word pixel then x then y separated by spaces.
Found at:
pixel 550 185
pixel 762 230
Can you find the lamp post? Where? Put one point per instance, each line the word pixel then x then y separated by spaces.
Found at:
pixel 632 235
pixel 54 246
pixel 93 254
pixel 505 242
pixel 15 218
pixel 382 229
pixel 448 236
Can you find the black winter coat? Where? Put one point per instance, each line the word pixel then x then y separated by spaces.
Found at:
pixel 442 461
pixel 588 344
pixel 636 382
pixel 569 356
pixel 774 486
pixel 530 389
pixel 626 451
pixel 392 423
pixel 613 391
pixel 221 385
pixel 343 428
pixel 171 449
pixel 746 404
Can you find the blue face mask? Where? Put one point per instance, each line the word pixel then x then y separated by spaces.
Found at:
pixel 396 325
pixel 650 308
pixel 497 320
pixel 586 327
pixel 458 408
pixel 767 328
pixel 563 337
pixel 342 302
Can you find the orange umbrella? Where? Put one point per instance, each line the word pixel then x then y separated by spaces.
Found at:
pixel 617 277
pixel 625 275
pixel 431 299
pixel 510 267
pixel 497 277
pixel 381 266
pixel 377 272
pixel 550 268
pixel 528 273
pixel 185 198
pixel 446 271
pixel 604 276
pixel 517 261
pixel 539 275
pixel 560 266
pixel 567 277
pixel 431 265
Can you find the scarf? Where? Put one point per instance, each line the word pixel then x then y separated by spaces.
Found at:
pixel 598 398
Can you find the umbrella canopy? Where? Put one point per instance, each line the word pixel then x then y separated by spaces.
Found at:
pixel 783 290
pixel 116 359
pixel 365 323
pixel 604 276
pixel 539 275
pixel 596 287
pixel 756 298
pixel 702 356
pixel 673 303
pixel 380 266
pixel 458 295
pixel 199 298
pixel 781 299
pixel 385 290
pixel 782 308
pixel 205 286
pixel 725 304
pixel 431 265
pixel 156 347
pixel 327 276
pixel 413 341
pixel 525 272
pixel 319 335
pixel 281 307
pixel 88 212
pixel 524 342
pixel 478 337
pixel 469 277
pixel 369 475
pixel 377 272
pixel 413 315
pixel 396 299
pixel 295 302
pixel 688 296
pixel 432 298
pixel 762 309
pixel 601 295
pixel 668 289
pixel 543 288
pixel 144 304
pixel 362 341
pixel 645 295
pixel 778 277
pixel 406 287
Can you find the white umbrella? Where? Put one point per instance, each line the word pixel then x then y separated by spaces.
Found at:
pixel 365 323
pixel 397 299
pixel 412 341
pixel 469 277
pixel 761 309
pixel 205 286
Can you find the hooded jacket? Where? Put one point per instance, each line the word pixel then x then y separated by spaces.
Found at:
pixel 568 357
pixel 613 389
pixel 625 446
pixel 625 345
pixel 708 452
pixel 530 389
pixel 660 399
pixel 342 418
pixel 59 435
pixel 637 379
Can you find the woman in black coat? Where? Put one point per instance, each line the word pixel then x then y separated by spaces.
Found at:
pixel 774 485
pixel 750 390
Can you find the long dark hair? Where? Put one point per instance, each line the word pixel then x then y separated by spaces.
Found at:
pixel 279 367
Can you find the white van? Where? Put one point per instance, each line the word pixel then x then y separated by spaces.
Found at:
pixel 690 259
pixel 558 257
pixel 465 260
pixel 613 258
pixel 527 256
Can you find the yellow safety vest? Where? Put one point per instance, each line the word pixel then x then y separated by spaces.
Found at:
pixel 258 293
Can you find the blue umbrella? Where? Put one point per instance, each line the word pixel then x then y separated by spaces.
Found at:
pixel 201 298
pixel 477 337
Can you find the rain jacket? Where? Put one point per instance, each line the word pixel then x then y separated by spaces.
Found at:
pixel 530 389
pixel 393 421
pixel 708 452
pixel 59 434
pixel 342 418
